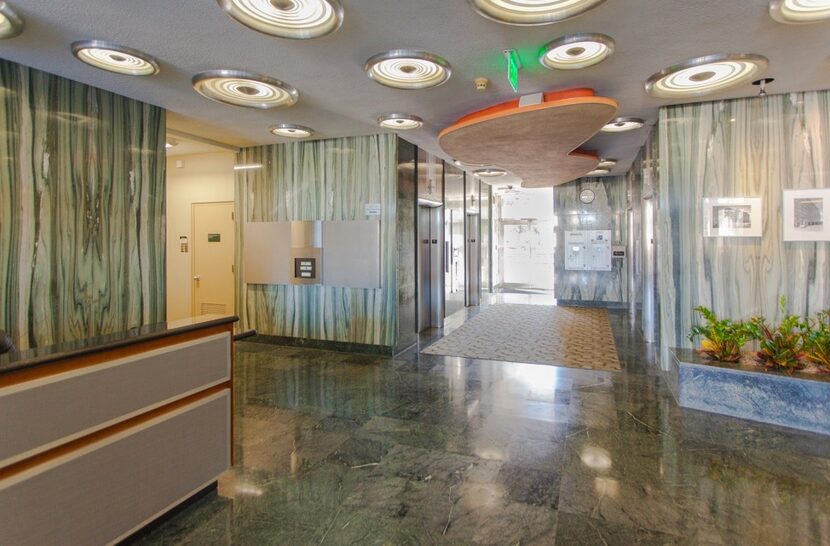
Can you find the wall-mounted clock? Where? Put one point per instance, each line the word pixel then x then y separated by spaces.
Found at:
pixel 587 196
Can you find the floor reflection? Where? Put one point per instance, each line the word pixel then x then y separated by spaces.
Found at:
pixel 338 448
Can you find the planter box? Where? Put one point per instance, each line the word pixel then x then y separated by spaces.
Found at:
pixel 799 401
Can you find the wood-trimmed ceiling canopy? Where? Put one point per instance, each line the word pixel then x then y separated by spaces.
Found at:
pixel 538 143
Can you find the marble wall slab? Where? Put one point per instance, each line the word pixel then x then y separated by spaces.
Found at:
pixel 609 210
pixel 454 231
pixel 82 204
pixel 321 180
pixel 407 204
pixel 753 147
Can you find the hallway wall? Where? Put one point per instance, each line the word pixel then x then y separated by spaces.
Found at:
pixel 753 147
pixel 321 180
pixel 82 206
pixel 609 210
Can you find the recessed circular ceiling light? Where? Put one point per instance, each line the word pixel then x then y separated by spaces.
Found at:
pixel 400 122
pixel 799 11
pixel 490 172
pixel 619 125
pixel 408 69
pixel 705 75
pixel 576 51
pixel 607 163
pixel 296 19
pixel 10 22
pixel 532 12
pixel 598 172
pixel 171 142
pixel 115 58
pixel 242 88
pixel 291 131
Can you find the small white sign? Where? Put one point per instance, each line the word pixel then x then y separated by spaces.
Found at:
pixel 372 209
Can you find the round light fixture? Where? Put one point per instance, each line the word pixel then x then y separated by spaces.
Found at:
pixel 408 69
pixel 296 19
pixel 115 58
pixel 800 11
pixel 400 122
pixel 171 142
pixel 291 131
pixel 620 125
pixel 532 12
pixel 10 22
pixel 704 75
pixel 241 88
pixel 607 163
pixel 490 172
pixel 599 172
pixel 576 51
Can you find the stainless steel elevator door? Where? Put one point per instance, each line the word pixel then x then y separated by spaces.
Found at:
pixel 430 268
pixel 473 260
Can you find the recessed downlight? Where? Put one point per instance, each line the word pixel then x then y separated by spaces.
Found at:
pixel 170 143
pixel 10 22
pixel 400 122
pixel 705 75
pixel 290 130
pixel 607 163
pixel 490 172
pixel 241 88
pixel 800 11
pixel 296 19
pixel 599 172
pixel 622 124
pixel 532 12
pixel 576 51
pixel 115 58
pixel 408 69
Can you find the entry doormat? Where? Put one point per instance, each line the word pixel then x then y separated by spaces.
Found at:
pixel 575 337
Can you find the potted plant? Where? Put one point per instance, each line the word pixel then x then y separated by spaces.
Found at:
pixel 816 340
pixel 780 345
pixel 723 339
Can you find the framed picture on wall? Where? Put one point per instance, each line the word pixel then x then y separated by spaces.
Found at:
pixel 732 217
pixel 807 215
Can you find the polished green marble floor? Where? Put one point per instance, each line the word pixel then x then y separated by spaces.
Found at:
pixel 340 448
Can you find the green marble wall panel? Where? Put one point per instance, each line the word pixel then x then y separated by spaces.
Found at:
pixel 82 185
pixel 407 206
pixel 609 210
pixel 454 222
pixel 321 180
pixel 753 147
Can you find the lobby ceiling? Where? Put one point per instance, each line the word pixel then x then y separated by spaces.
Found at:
pixel 338 99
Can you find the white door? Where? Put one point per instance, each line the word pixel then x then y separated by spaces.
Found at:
pixel 213 258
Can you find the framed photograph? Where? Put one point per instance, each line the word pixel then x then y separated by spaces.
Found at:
pixel 732 217
pixel 807 215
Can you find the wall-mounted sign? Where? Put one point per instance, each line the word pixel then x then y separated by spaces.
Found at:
pixel 372 209
pixel 513 66
pixel 214 237
pixel 305 268
pixel 183 243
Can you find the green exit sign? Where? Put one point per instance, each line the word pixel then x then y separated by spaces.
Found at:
pixel 513 66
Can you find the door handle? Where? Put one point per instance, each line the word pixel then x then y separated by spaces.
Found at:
pixel 197 278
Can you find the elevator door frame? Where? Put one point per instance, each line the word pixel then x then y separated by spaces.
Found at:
pixel 430 268
pixel 473 258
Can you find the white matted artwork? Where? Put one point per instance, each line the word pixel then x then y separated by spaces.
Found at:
pixel 732 217
pixel 807 215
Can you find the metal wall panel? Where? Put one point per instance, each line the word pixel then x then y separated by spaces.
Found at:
pixel 351 253
pixel 267 253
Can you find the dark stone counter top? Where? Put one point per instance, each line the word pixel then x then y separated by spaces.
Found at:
pixel 39 356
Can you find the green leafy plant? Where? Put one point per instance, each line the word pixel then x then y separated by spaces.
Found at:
pixel 816 339
pixel 780 345
pixel 723 339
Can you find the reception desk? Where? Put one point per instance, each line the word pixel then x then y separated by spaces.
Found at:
pixel 100 437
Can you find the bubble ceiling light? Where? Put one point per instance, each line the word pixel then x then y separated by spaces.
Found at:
pixel 576 51
pixel 295 19
pixel 408 69
pixel 607 163
pixel 620 125
pixel 115 58
pixel 241 88
pixel 400 122
pixel 10 22
pixel 290 130
pixel 800 11
pixel 598 172
pixel 705 75
pixel 532 12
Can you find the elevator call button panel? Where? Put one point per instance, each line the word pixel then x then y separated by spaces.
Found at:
pixel 588 250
